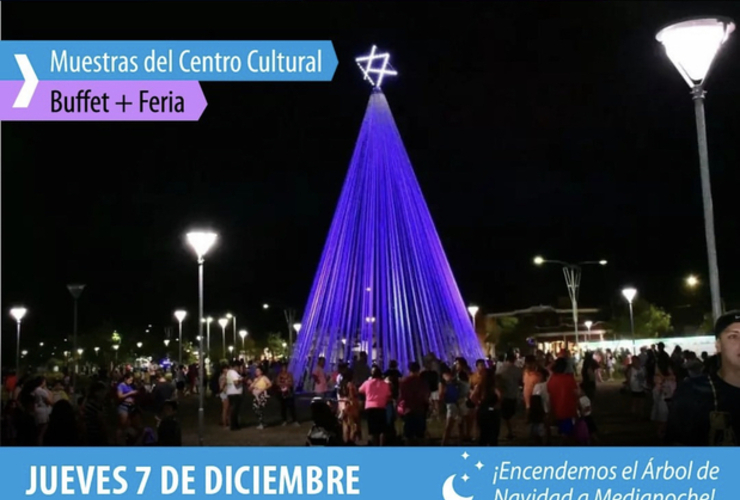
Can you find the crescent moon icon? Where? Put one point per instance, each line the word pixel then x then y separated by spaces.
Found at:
pixel 448 490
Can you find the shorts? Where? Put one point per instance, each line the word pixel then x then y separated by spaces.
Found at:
pixel 124 409
pixel 566 426
pixel 434 396
pixel 376 421
pixel 453 411
pixel 414 426
pixel 508 408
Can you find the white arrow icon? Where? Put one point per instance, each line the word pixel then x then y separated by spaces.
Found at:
pixel 30 84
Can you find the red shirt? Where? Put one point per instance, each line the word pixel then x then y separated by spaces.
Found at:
pixel 563 388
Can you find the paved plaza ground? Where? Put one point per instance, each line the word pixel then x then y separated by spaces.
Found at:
pixel 617 427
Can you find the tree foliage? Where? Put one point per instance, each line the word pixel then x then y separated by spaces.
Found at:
pixel 651 321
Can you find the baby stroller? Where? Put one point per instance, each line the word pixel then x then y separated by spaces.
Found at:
pixel 326 429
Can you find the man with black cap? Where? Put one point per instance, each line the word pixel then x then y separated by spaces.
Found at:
pixel 705 411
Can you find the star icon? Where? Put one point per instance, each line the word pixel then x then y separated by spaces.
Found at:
pixel 385 68
pixel 465 478
pixel 479 465
pixel 465 455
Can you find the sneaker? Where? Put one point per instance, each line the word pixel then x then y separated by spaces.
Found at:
pixel 285 423
pixel 296 424
pixel 260 427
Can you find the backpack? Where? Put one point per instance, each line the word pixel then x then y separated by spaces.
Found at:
pixel 452 392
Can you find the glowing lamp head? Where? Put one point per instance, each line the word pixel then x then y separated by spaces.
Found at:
pixel 602 262
pixel 242 334
pixel 297 327
pixel 692 45
pixel 208 319
pixel 229 315
pixel 223 322
pixel 116 347
pixel 139 344
pixel 80 351
pixel 588 324
pixel 265 306
pixel 473 310
pixel 18 313
pixel 629 294
pixel 375 67
pixel 166 342
pixel 538 261
pixel 692 281
pixel 180 315
pixel 201 241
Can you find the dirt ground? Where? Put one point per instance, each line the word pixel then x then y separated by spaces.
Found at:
pixel 616 426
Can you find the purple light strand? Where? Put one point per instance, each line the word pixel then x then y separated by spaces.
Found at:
pixel 382 237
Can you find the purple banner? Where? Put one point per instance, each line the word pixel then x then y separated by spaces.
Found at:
pixel 104 101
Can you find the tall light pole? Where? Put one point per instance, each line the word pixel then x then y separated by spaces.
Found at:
pixel 588 324
pixel 572 273
pixel 473 310
pixel 243 335
pixel 692 47
pixel 115 350
pixel 201 243
pixel 223 322
pixel 180 316
pixel 208 322
pixel 18 313
pixel 75 290
pixel 233 318
pixel 629 294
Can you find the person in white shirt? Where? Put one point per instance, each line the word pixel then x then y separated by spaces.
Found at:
pixel 539 409
pixel 235 393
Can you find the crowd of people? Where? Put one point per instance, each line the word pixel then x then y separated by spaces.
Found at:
pixel 693 400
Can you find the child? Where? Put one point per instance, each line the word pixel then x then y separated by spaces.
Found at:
pixel 588 434
pixel 539 408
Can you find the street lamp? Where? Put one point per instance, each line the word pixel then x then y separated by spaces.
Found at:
pixel 572 273
pixel 166 342
pixel 692 46
pixel 243 334
pixel 231 350
pixel 629 294
pixel 75 290
pixel 692 281
pixel 297 328
pixel 96 349
pixel 139 344
pixel 115 349
pixel 588 324
pixel 18 313
pixel 180 315
pixel 265 306
pixel 473 310
pixel 223 322
pixel 208 322
pixel 201 242
pixel 232 317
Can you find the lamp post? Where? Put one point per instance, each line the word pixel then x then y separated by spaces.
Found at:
pixel 115 349
pixel 75 290
pixel 629 294
pixel 180 315
pixel 233 318
pixel 231 351
pixel 692 47
pixel 243 334
pixel 473 310
pixel 18 313
pixel 208 322
pixel 201 242
pixel 572 273
pixel 223 322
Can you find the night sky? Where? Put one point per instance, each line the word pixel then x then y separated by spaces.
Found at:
pixel 549 128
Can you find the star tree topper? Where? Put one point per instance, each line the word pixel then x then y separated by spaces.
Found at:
pixel 381 69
